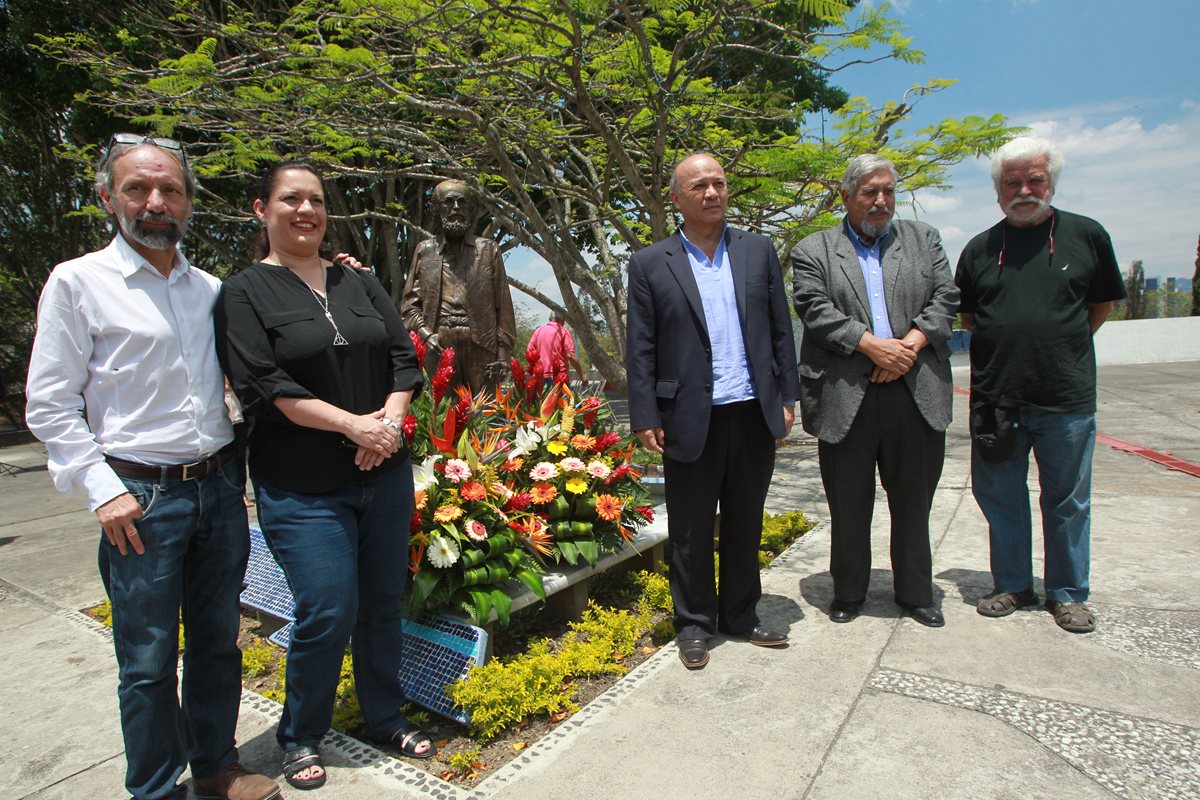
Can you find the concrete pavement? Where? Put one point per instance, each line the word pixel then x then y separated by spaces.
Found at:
pixel 881 707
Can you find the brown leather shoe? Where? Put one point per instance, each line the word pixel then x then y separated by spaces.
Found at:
pixel 235 782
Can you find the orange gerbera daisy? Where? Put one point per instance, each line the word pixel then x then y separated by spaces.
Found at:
pixel 513 464
pixel 608 507
pixel 543 493
pixel 447 513
pixel 420 498
pixel 583 442
pixel 473 491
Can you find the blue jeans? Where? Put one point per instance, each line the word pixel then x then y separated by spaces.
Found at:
pixel 1062 445
pixel 197 541
pixel 345 554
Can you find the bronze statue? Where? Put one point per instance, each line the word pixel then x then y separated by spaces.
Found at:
pixel 457 293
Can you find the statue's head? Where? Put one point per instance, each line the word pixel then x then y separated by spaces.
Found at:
pixel 456 206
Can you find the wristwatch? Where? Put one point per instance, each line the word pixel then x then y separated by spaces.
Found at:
pixel 396 426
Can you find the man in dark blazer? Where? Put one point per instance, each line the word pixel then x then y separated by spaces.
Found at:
pixel 877 300
pixel 712 384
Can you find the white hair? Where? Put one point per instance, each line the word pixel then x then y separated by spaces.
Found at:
pixel 1024 148
pixel 863 165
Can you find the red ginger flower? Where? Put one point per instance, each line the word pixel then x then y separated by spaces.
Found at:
pixel 462 408
pixel 518 373
pixel 518 502
pixel 441 378
pixel 607 440
pixel 419 346
pixel 409 426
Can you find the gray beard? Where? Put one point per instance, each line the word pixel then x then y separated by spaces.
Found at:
pixel 135 231
pixel 875 230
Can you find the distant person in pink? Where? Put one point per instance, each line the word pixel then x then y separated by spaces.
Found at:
pixel 554 348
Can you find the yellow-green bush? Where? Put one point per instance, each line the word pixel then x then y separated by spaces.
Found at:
pixel 258 659
pixel 654 590
pixel 499 694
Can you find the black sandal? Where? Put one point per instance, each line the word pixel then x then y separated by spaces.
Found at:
pixel 299 759
pixel 409 739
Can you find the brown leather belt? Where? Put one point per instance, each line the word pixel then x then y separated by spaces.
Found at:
pixel 173 472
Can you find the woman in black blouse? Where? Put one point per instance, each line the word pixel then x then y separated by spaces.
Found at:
pixel 321 361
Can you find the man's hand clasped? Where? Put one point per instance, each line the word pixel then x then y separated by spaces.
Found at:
pixel 892 357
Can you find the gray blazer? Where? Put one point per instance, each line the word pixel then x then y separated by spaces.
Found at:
pixel 830 297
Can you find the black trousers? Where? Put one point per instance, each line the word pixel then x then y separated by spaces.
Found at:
pixel 889 433
pixel 733 472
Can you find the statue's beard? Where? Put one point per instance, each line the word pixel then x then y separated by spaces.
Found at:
pixel 455 227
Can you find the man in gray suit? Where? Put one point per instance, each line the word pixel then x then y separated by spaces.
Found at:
pixel 877 300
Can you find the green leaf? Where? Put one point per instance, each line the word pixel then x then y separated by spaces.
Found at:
pixel 502 603
pixel 590 550
pixel 570 552
pixel 532 580
pixel 423 584
pixel 483 605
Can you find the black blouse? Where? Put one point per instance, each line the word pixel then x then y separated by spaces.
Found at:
pixel 273 340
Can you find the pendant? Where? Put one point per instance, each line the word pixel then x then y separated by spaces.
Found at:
pixel 339 340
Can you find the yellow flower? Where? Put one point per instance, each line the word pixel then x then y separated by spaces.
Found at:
pixel 558 447
pixel 447 513
pixel 577 486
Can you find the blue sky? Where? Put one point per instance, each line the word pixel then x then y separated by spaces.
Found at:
pixel 1115 84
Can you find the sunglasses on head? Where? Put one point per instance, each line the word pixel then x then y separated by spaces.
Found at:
pixel 136 139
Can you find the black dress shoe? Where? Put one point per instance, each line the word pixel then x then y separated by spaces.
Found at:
pixel 763 637
pixel 693 653
pixel 929 616
pixel 841 611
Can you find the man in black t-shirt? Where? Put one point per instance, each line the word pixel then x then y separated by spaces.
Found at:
pixel 1035 288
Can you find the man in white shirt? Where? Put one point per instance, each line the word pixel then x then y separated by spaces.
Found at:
pixel 125 390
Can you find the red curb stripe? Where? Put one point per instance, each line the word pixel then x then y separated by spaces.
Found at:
pixel 1165 459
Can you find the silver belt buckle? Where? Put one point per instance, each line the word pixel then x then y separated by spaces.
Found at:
pixel 186 469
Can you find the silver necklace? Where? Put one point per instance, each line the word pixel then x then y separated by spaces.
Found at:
pixel 338 339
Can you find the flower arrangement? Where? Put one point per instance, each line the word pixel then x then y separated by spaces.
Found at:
pixel 504 483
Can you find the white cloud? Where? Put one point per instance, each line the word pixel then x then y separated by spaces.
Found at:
pixel 1132 178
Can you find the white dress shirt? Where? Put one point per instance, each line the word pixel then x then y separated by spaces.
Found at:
pixel 124 364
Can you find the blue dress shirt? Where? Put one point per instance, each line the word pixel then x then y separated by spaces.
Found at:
pixel 868 261
pixel 733 380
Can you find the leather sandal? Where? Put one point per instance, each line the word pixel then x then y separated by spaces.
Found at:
pixel 1072 617
pixel 299 759
pixel 1001 604
pixel 409 739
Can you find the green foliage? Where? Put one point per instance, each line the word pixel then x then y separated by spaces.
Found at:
pixel 502 693
pixel 258 659
pixel 781 530
pixel 102 613
pixel 654 590
pixel 463 762
pixel 347 716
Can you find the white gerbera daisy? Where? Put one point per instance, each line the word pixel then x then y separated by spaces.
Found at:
pixel 442 552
